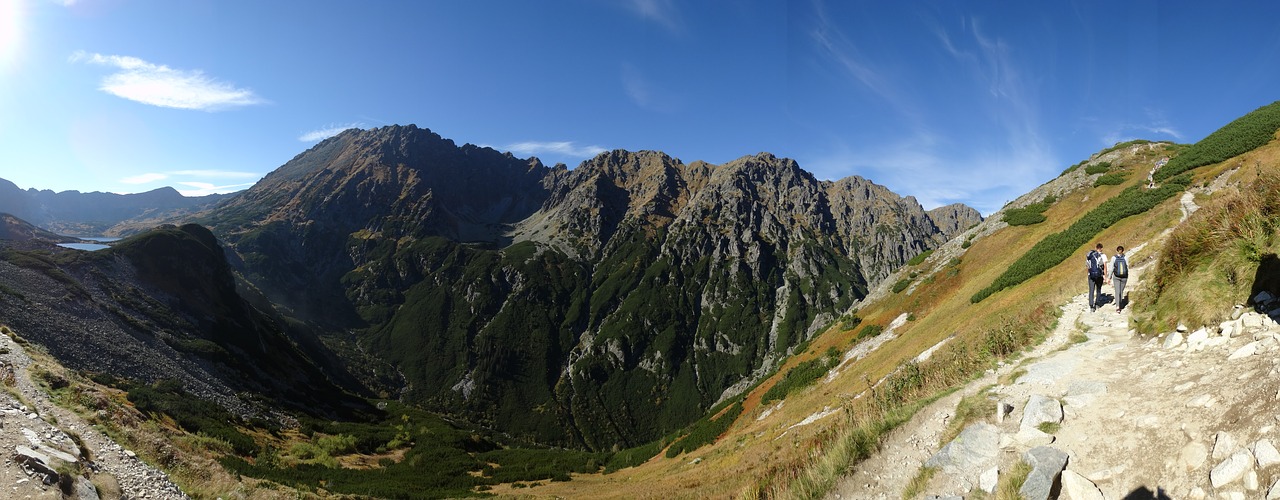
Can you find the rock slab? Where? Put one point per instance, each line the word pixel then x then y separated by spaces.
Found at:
pixel 1046 465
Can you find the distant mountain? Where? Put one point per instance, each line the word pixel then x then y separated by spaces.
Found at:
pixel 15 229
pixel 601 306
pixel 95 214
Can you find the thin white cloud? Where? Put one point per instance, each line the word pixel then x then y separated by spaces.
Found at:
pixel 160 85
pixel 207 188
pixel 832 43
pixel 64 3
pixel 559 148
pixel 663 12
pixel 327 132
pixel 226 174
pixel 144 178
pixel 644 93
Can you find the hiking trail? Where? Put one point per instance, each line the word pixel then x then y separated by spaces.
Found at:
pixel 1187 414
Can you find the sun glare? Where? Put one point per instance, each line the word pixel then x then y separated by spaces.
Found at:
pixel 12 15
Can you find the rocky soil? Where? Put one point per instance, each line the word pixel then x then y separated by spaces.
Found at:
pixel 40 443
pixel 1183 415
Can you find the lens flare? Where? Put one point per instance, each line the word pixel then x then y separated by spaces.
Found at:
pixel 12 23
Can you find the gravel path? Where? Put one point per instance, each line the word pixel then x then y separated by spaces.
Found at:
pixel 46 426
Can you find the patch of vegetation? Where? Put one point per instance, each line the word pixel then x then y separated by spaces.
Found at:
pixel 1073 168
pixel 1098 168
pixel 1222 255
pixel 919 483
pixel 1056 247
pixel 1049 427
pixel 192 414
pixel 869 331
pixel 802 375
pixel 849 321
pixel 1010 484
pixel 1242 135
pixel 919 258
pixel 1030 214
pixel 705 431
pixel 970 409
pixel 1111 179
pixel 901 285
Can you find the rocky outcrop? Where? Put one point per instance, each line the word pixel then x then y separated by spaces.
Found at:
pixel 954 219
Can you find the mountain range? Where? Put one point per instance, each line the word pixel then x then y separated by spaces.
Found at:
pixel 594 307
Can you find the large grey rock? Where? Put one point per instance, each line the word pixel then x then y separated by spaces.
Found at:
pixel 1046 465
pixel 85 489
pixel 970 453
pixel 1197 338
pixel 1172 340
pixel 1041 409
pixel 1231 469
pixel 1244 351
pixel 1265 453
pixel 1031 437
pixel 38 462
pixel 1077 487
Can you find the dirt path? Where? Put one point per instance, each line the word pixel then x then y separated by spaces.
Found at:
pixel 33 421
pixel 1140 414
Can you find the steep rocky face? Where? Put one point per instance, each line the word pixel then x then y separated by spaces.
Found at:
pixel 310 222
pixel 599 307
pixel 954 219
pixel 96 213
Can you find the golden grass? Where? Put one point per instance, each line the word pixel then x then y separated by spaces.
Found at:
pixel 774 446
pixel 919 484
pixel 970 409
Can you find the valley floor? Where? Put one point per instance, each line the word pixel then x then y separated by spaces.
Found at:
pixel 1192 416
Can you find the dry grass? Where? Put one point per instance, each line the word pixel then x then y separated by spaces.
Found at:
pixel 970 409
pixel 919 483
pixel 1011 481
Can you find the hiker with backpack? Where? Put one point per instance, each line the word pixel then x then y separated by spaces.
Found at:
pixel 1119 276
pixel 1096 264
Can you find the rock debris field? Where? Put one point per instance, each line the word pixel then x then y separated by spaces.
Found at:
pixel 39 448
pixel 1188 414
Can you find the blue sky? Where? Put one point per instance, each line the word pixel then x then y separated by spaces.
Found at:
pixel 975 102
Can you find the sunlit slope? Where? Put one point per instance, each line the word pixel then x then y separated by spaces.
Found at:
pixel 780 447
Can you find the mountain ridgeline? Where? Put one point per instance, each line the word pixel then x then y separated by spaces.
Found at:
pixel 596 307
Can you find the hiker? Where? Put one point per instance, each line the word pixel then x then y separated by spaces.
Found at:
pixel 1119 276
pixel 1096 265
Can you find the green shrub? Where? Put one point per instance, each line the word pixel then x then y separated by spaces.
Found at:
pixel 1098 168
pixel 1028 215
pixel 705 431
pixel 1112 179
pixel 1238 137
pixel 802 375
pixel 915 261
pixel 901 285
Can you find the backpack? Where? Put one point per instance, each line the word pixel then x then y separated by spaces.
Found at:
pixel 1120 267
pixel 1095 267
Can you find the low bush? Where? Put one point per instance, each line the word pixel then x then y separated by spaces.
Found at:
pixel 1098 168
pixel 1111 179
pixel 1242 135
pixel 901 285
pixel 705 431
pixel 919 258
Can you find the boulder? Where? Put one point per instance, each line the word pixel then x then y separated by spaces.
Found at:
pixel 1077 487
pixel 85 489
pixel 1231 469
pixel 37 462
pixel 1265 453
pixel 1223 445
pixel 1046 465
pixel 1181 328
pixel 1031 437
pixel 1227 329
pixel 973 451
pixel 1274 492
pixel 989 479
pixel 1244 351
pixel 1172 340
pixel 1197 338
pixel 1041 409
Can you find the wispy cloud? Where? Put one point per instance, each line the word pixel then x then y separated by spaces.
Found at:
pixel 207 188
pixel 222 174
pixel 642 91
pixel 1153 123
pixel 144 178
pixel 160 85
pixel 663 12
pixel 327 132
pixel 560 148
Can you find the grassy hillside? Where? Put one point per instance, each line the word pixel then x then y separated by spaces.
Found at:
pixel 799 445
